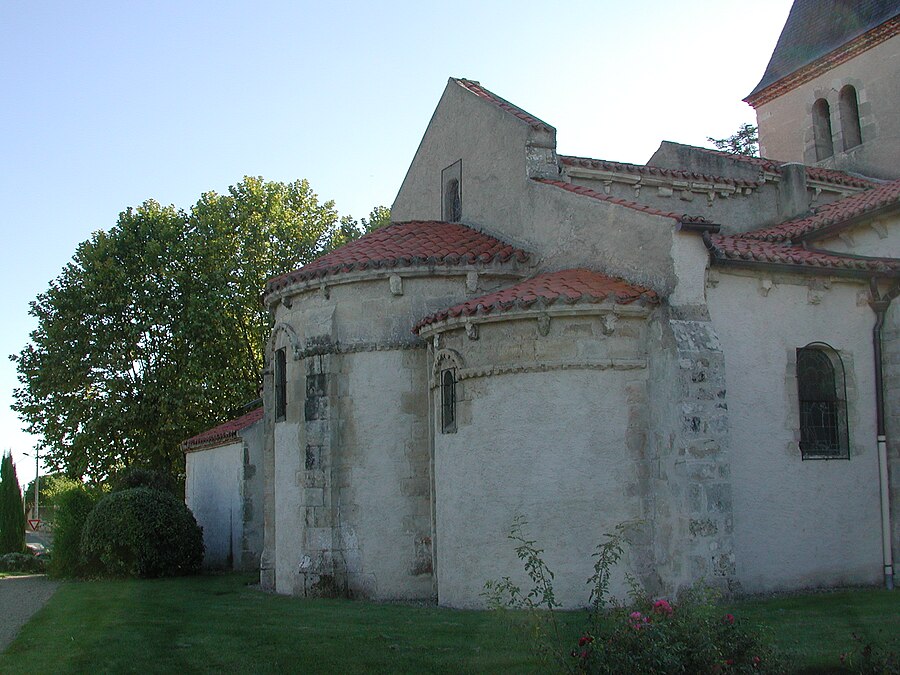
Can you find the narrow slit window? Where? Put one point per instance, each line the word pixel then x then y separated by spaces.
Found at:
pixel 823 411
pixel 849 106
pixel 448 402
pixel 822 129
pixel 451 193
pixel 280 385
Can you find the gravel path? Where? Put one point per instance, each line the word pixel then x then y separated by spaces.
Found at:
pixel 20 597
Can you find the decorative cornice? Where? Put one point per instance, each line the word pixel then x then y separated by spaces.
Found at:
pixel 546 366
pixel 330 348
pixel 822 65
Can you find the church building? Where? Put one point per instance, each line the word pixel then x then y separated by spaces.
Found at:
pixel 705 344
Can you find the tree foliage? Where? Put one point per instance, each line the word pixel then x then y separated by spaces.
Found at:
pixel 154 331
pixel 745 141
pixel 12 511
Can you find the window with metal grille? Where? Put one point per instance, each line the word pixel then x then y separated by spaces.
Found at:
pixel 280 385
pixel 448 402
pixel 822 397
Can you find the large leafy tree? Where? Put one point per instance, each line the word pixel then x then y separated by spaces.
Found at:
pixel 154 331
pixel 12 513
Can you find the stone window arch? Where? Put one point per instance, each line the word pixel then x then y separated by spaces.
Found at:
pixel 849 107
pixel 821 113
pixel 822 395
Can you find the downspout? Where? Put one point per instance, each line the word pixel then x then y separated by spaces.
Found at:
pixel 880 306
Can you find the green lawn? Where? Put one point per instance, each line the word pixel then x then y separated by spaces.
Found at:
pixel 220 624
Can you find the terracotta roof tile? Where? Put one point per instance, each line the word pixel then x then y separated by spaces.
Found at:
pixel 406 245
pixel 567 286
pixel 588 192
pixel 737 248
pixel 831 214
pixel 224 431
pixel 647 170
pixel 503 104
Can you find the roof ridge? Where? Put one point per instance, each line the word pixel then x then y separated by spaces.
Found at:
pixel 834 176
pixel 658 170
pixel 475 87
pixel 588 192
pixel 569 286
pixel 827 215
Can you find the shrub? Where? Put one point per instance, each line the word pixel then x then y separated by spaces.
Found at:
pixel 12 511
pixel 139 476
pixel 21 562
pixel 73 505
pixel 141 533
pixel 645 635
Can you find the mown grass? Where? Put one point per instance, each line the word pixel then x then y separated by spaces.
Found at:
pixel 222 624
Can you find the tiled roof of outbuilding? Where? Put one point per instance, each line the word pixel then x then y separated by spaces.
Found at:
pixel 567 287
pixel 830 214
pixel 646 169
pixel 735 248
pixel 224 431
pixel 406 245
pixel 502 103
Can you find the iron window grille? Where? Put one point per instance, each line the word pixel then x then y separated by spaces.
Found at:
pixel 448 402
pixel 822 396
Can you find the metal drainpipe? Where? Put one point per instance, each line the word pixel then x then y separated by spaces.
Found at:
pixel 880 306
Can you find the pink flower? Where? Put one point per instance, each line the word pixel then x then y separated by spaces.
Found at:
pixel 728 618
pixel 636 616
pixel 585 640
pixel 663 607
pixel 584 654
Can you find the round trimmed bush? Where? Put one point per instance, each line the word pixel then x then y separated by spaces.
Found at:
pixel 141 533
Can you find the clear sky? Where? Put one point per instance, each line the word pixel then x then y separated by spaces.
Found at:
pixel 106 103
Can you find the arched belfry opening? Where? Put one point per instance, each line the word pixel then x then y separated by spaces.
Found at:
pixel 849 107
pixel 821 112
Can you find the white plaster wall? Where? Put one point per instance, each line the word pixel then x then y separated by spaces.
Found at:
pixel 549 446
pixel 880 238
pixel 689 260
pixel 213 494
pixel 385 512
pixel 797 523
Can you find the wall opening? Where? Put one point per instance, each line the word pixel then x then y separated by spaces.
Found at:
pixel 280 384
pixel 448 402
pixel 451 193
pixel 849 107
pixel 822 129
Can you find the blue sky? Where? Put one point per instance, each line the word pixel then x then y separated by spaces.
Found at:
pixel 107 104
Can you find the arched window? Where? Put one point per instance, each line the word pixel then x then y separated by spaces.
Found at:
pixel 849 106
pixel 823 409
pixel 822 129
pixel 448 402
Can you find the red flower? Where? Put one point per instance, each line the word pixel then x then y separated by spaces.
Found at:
pixel 663 607
pixel 729 662
pixel 728 618
pixel 585 640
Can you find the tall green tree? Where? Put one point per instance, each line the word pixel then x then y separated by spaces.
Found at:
pixel 155 330
pixel 12 511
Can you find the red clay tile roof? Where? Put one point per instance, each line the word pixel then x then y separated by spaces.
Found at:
pixel 830 214
pixel 406 245
pixel 587 192
pixel 224 431
pixel 646 169
pixel 736 248
pixel 503 104
pixel 812 172
pixel 567 287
